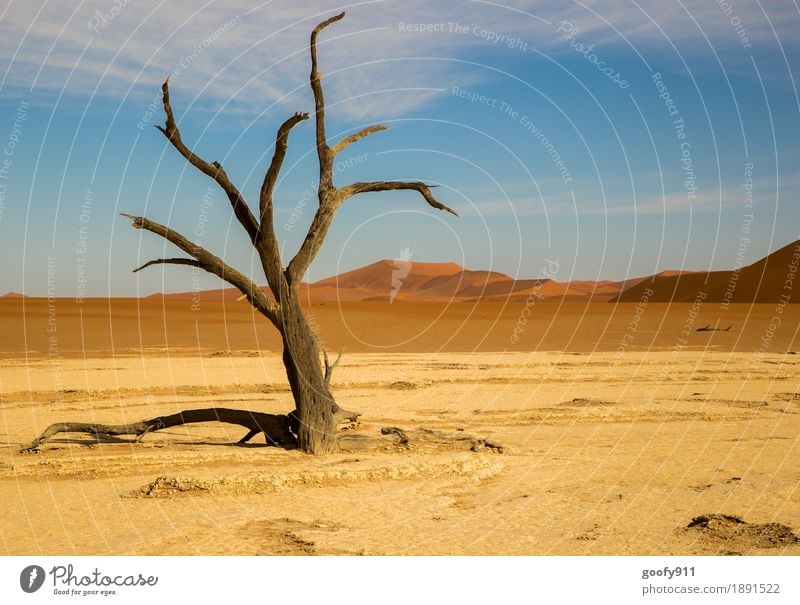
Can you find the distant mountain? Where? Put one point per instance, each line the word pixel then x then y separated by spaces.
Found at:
pixel 763 281
pixel 13 295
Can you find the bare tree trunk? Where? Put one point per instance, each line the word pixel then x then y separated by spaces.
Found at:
pixel 313 418
pixel 315 406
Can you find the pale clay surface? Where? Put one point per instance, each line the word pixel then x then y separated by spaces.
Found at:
pixel 607 454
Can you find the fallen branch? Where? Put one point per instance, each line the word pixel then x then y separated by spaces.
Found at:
pixel 275 427
pixel 708 328
pixel 392 435
pixel 278 430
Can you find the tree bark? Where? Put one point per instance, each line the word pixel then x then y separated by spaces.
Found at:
pixel 315 406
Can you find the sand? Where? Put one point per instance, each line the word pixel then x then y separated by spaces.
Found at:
pixel 609 449
pixel 120 326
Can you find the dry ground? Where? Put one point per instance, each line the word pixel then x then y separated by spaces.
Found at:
pixel 121 326
pixel 608 453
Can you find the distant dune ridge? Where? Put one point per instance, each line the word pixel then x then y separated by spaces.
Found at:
pixel 402 280
pixel 409 281
pixel 771 279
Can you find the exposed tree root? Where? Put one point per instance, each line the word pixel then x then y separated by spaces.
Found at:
pixel 392 435
pixel 275 427
pixel 278 430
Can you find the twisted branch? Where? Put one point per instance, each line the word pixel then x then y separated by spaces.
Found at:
pixel 213 264
pixel 214 169
pixel 329 367
pixel 267 241
pixel 422 188
pixel 271 177
pixel 331 198
pixel 170 261
pixel 315 78
pixel 357 136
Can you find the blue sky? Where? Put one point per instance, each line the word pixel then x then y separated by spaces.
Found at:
pixel 545 126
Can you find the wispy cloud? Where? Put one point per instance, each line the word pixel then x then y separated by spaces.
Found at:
pixel 651 22
pixel 261 58
pixel 258 58
pixel 588 203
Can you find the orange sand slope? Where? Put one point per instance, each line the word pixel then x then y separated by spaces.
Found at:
pixel 397 280
pixel 772 279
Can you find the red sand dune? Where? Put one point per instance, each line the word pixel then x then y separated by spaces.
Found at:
pixel 769 280
pixel 395 280
pixel 413 281
pixel 390 280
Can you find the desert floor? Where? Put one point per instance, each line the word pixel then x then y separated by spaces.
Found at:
pixel 608 449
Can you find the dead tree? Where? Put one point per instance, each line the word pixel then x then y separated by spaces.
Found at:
pixel 708 328
pixel 315 411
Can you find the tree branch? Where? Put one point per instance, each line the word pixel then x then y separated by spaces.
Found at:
pixel 213 264
pixel 170 261
pixel 329 367
pixel 267 242
pixel 331 198
pixel 323 151
pixel 326 192
pixel 422 188
pixel 364 132
pixel 271 177
pixel 315 236
pixel 214 169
